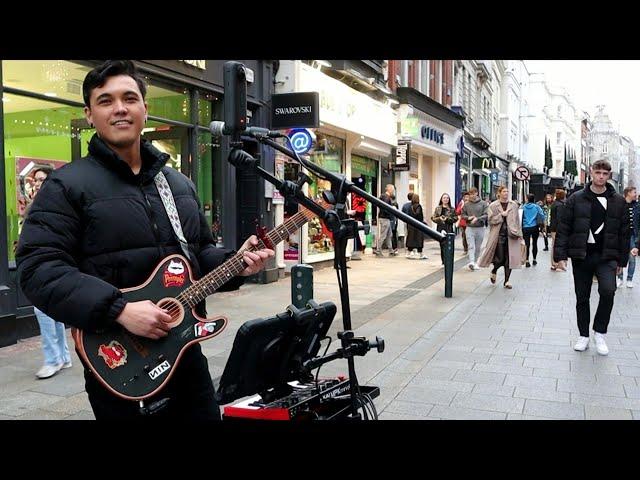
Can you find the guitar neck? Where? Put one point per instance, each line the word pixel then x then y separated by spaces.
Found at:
pixel 212 281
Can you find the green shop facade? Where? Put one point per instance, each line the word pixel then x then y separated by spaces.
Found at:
pixel 42 123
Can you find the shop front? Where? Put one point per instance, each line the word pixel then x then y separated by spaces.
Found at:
pixel 433 149
pixel 356 135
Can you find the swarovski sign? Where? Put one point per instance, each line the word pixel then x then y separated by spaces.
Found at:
pixel 295 110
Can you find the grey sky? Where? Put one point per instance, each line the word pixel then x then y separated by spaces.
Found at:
pixel 614 83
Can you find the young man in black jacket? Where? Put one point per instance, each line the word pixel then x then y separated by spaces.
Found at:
pixel 593 230
pixel 99 225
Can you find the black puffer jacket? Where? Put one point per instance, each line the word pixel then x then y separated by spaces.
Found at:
pixel 575 221
pixel 95 227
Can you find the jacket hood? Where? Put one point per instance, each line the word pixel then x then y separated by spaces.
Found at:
pixel 152 160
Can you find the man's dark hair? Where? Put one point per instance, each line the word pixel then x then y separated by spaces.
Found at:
pixel 531 198
pixel 601 165
pixel 627 190
pixel 111 68
pixel 46 169
pixel 410 196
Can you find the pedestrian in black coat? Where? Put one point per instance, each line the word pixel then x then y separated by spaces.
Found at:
pixel 594 230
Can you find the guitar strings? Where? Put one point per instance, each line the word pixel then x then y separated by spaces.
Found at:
pixel 187 295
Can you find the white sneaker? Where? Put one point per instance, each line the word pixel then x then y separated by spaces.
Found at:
pixel 601 345
pixel 471 266
pixel 629 284
pixel 476 266
pixel 582 344
pixel 618 282
pixel 424 257
pixel 67 365
pixel 48 371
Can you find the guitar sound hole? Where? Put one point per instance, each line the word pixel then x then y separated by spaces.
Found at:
pixel 175 309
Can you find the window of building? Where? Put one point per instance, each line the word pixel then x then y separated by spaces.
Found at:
pixel 36 133
pixel 329 154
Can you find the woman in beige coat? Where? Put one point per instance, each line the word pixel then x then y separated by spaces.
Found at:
pixel 505 237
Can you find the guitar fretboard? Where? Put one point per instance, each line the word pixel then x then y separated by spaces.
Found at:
pixel 234 265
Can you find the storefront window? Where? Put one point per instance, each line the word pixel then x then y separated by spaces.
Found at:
pixel 53 78
pixel 364 175
pixel 464 179
pixel 36 133
pixel 329 154
pixel 209 165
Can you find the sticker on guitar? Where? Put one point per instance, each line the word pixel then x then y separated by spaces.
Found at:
pixel 159 370
pixel 202 329
pixel 174 274
pixel 114 354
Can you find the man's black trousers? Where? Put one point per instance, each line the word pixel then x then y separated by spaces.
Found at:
pixel 583 272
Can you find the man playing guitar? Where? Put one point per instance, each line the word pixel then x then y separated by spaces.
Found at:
pixel 99 225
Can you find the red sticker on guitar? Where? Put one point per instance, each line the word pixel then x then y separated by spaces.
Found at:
pixel 203 329
pixel 174 274
pixel 114 354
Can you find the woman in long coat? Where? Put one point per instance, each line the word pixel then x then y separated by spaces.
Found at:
pixel 505 237
pixel 415 238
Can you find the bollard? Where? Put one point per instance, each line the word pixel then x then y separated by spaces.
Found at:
pixel 301 285
pixel 449 246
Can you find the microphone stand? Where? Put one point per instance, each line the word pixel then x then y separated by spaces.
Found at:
pixel 336 220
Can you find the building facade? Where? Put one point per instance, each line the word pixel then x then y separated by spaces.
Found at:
pixel 424 90
pixel 556 119
pixel 488 93
pixel 356 137
pixel 605 139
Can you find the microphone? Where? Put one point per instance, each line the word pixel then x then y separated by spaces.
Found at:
pixel 218 129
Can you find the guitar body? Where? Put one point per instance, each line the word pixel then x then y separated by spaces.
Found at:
pixel 134 367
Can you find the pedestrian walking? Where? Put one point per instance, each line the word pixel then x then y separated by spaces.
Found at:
pixel 503 247
pixel 631 196
pixel 474 212
pixel 593 229
pixel 546 209
pixel 555 211
pixel 415 238
pixel 532 222
pixel 53 336
pixel 462 223
pixel 384 224
pixel 444 216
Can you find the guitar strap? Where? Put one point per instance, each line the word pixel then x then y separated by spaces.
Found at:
pixel 172 212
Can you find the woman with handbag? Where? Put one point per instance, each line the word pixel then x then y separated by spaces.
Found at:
pixel 532 221
pixel 444 217
pixel 503 247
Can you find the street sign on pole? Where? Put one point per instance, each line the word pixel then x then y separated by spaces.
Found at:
pixel 521 173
